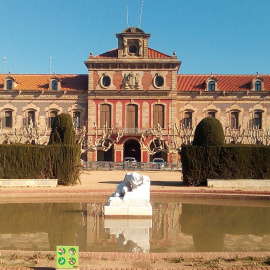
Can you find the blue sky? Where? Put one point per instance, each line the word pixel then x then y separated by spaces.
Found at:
pixel 219 36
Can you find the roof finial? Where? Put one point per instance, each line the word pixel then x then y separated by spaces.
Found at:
pixel 127 15
pixel 257 73
pixel 4 64
pixel 50 65
pixel 141 14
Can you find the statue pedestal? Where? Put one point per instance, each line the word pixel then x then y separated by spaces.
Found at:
pixel 123 211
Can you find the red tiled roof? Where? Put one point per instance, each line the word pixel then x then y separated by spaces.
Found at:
pixel 156 54
pixel 225 82
pixel 41 81
pixel 151 54
pixel 112 54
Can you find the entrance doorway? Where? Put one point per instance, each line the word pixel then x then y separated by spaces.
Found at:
pixel 132 149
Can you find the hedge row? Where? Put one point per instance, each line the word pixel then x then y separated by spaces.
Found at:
pixel 200 163
pixel 19 161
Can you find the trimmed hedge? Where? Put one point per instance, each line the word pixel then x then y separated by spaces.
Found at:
pixel 20 161
pixel 200 163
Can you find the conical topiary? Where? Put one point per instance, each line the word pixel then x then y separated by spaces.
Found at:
pixel 209 132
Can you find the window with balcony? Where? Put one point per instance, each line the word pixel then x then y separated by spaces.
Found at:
pixel 105 115
pixel 158 115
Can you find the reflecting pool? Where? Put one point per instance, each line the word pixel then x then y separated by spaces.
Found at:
pixel 177 225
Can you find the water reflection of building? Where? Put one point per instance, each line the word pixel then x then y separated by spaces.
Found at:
pixel 40 226
pixel 180 227
pixel 176 226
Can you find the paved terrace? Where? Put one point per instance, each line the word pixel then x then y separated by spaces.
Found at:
pixel 103 183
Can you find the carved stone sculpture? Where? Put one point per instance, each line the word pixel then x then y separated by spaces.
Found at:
pixel 131 198
pixel 132 81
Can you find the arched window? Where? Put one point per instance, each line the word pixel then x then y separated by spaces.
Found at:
pixel 105 115
pixel 77 119
pixel 258 86
pixel 257 121
pixel 234 120
pixel 9 84
pixel 158 115
pixel 188 119
pixel 8 119
pixel 211 86
pixel 54 85
pixel 53 115
pixel 211 114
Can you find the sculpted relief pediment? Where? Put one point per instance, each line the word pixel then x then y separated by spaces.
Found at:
pixel 132 80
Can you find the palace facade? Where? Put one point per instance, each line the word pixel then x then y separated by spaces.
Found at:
pixel 128 93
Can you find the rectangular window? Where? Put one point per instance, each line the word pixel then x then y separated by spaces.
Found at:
pixel 53 115
pixel 31 117
pixel 8 119
pixel 258 120
pixel 54 85
pixel 158 115
pixel 188 120
pixel 9 84
pixel 132 117
pixel 105 115
pixel 234 120
pixel 77 119
pixel 258 86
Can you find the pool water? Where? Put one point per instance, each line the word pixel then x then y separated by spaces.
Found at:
pixel 177 225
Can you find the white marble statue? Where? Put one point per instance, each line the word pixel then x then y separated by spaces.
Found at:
pixel 132 197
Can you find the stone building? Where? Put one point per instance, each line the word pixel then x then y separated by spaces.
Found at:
pixel 129 92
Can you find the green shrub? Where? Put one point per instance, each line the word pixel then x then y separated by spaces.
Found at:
pixel 200 163
pixel 20 161
pixel 65 163
pixel 63 131
pixel 209 132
